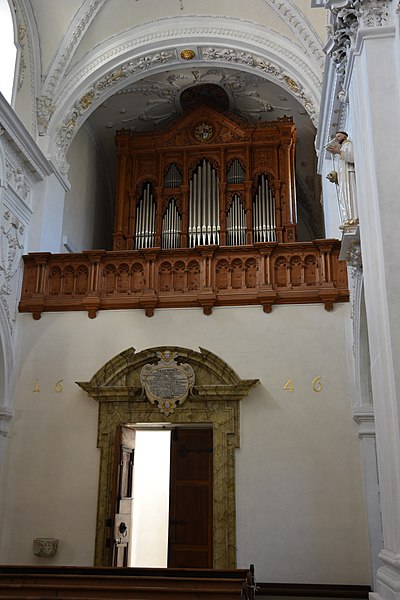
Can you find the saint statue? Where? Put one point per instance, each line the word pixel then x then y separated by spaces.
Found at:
pixel 344 177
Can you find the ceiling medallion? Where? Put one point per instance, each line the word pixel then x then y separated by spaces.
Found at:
pixel 203 132
pixel 187 54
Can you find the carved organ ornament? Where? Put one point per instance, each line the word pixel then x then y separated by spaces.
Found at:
pixel 208 179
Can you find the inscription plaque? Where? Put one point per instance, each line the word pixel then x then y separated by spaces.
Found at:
pixel 167 384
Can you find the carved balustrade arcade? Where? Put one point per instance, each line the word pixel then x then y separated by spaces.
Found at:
pixel 206 276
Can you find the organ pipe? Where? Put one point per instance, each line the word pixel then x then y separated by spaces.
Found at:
pixel 264 226
pixel 236 173
pixel 171 227
pixel 173 178
pixel 236 223
pixel 204 206
pixel 145 219
pixel 204 213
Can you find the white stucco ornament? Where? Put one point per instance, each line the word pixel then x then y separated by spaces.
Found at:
pixel 167 383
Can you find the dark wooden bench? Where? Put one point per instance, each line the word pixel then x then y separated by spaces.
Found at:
pixel 31 582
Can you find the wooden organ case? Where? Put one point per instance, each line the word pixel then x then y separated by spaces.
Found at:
pixel 208 179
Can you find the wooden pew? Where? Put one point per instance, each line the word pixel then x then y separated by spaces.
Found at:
pixel 81 583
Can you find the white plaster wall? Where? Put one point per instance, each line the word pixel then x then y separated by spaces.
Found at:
pixel 45 228
pixel 300 508
pixel 88 205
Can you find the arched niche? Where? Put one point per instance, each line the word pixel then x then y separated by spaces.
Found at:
pixel 213 400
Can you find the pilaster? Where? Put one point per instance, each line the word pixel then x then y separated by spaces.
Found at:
pixel 365 49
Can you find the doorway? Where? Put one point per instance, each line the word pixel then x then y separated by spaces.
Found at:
pixel 163 497
pixel 213 403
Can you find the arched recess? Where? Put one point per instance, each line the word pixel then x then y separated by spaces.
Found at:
pixel 213 400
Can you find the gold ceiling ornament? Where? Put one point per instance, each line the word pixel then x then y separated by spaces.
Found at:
pixel 187 54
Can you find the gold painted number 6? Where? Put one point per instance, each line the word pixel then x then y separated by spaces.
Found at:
pixel 316 384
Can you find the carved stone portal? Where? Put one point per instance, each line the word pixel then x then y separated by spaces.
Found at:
pixel 214 399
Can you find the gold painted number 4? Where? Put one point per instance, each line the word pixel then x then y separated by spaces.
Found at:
pixel 288 387
pixel 316 385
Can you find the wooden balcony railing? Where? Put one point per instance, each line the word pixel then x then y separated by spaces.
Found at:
pixel 206 276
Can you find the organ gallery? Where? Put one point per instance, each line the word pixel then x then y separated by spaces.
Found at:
pixel 205 215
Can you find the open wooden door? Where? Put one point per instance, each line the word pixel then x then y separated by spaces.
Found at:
pixel 190 542
pixel 125 451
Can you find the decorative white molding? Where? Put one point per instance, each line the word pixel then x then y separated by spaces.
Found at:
pixel 29 43
pixel 301 27
pixel 260 64
pixel 22 63
pixel 75 32
pixel 12 233
pixel 122 61
pixel 17 180
pixel 20 142
pixel 348 18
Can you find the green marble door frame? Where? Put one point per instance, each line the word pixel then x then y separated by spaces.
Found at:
pixel 214 401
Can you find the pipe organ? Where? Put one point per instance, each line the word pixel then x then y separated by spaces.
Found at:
pixel 207 179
